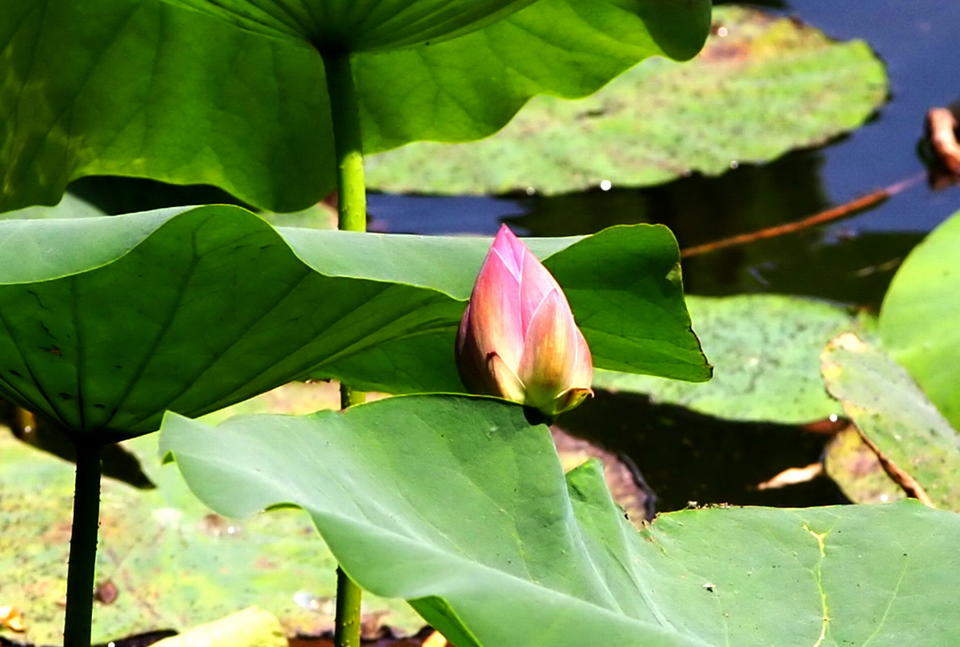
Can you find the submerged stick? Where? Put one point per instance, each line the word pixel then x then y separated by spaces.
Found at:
pixel 844 210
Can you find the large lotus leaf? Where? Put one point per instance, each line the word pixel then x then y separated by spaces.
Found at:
pixel 70 206
pixel 174 564
pixel 460 506
pixel 766 355
pixel 345 25
pixel 159 89
pixel 918 320
pixel 763 85
pixel 895 418
pixel 106 322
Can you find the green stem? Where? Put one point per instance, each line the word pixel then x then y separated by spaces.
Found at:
pixel 352 209
pixel 347 628
pixel 348 142
pixel 83 547
pixel 350 397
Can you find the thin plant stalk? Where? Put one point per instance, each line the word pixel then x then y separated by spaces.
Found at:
pixel 348 143
pixel 83 546
pixel 347 625
pixel 352 212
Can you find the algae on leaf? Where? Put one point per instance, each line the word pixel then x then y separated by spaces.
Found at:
pixel 175 564
pixel 763 85
pixel 765 350
pixel 896 419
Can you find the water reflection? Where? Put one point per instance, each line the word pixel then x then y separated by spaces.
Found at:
pixel 686 457
pixel 827 263
pixel 855 270
pixel 698 209
pixel 119 195
pixel 830 263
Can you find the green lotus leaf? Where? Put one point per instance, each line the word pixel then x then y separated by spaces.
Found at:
pixel 194 309
pixel 919 315
pixel 345 25
pixel 461 507
pixel 895 418
pixel 762 85
pixel 233 93
pixel 766 355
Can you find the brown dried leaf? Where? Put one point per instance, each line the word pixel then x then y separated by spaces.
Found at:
pixel 942 128
pixel 792 476
pixel 11 618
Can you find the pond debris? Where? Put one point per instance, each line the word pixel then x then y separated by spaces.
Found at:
pixel 11 618
pixel 829 426
pixel 106 592
pixel 942 127
pixel 793 476
pixel 435 639
pixel 838 212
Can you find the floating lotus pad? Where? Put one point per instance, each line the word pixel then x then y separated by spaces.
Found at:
pixel 895 416
pixel 173 562
pixel 766 355
pixel 763 85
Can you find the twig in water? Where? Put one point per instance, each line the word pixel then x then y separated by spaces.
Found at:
pixel 834 213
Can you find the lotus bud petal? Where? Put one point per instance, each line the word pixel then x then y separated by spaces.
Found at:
pixel 518 339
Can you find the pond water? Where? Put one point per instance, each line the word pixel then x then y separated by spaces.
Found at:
pixel 687 457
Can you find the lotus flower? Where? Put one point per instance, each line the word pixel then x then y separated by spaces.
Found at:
pixel 517 338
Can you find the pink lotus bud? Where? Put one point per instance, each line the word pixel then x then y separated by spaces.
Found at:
pixel 517 338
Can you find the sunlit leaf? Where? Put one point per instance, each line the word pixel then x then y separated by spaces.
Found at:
pixel 919 315
pixel 233 93
pixel 342 25
pixel 857 470
pixel 251 627
pixel 195 309
pixel 499 550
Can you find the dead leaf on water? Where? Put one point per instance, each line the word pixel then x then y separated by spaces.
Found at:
pixel 792 476
pixel 435 639
pixel 11 618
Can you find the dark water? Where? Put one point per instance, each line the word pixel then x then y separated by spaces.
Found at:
pixel 686 457
pixel 851 260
